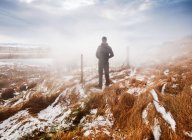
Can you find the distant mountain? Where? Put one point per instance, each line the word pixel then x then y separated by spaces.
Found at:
pixel 22 51
pixel 168 51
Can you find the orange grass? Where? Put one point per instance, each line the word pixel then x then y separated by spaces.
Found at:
pixel 127 108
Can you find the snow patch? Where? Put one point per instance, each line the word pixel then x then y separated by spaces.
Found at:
pixel 156 130
pixel 140 78
pixel 163 88
pixel 68 78
pixel 80 90
pixel 99 121
pixel 173 79
pixel 51 112
pixel 121 85
pixel 42 87
pixel 136 90
pixel 82 105
pixel 189 134
pixel 154 94
pixel 23 123
pixel 106 132
pixel 13 130
pixel 82 119
pixel 166 72
pixel 145 114
pixel 16 93
pixel 174 85
pixel 96 90
pixel 56 113
pixel 93 111
pixel 167 116
pixel 87 133
pixel 133 71
pixel 93 124
pixel 27 95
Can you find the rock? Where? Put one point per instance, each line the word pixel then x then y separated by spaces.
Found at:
pixel 32 85
pixel 133 81
pixel 23 87
pixel 7 93
pixel 3 83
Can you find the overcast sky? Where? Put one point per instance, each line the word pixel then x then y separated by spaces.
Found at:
pixel 78 25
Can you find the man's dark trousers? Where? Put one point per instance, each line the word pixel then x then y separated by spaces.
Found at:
pixel 103 66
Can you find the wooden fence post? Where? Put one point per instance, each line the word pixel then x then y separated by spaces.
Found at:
pixel 81 68
pixel 128 57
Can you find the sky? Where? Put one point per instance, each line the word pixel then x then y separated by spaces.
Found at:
pixel 72 27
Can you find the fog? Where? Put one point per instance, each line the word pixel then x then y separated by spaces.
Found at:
pixel 74 27
pixel 124 54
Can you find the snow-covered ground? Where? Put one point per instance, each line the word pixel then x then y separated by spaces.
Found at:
pixel 29 62
pixel 166 115
pixel 71 97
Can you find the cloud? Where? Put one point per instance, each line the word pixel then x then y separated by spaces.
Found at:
pixel 51 5
pixel 27 1
pixel 147 4
pixel 72 27
pixel 73 4
pixel 82 22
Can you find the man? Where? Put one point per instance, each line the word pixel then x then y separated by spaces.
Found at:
pixel 104 53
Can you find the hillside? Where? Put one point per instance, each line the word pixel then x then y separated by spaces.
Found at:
pixel 143 103
pixel 165 52
pixel 16 51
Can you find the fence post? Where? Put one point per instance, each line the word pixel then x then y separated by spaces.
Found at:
pixel 128 57
pixel 81 68
pixel 10 52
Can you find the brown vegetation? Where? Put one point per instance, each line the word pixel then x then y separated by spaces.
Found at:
pixel 126 107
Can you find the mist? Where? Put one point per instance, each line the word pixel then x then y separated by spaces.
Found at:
pixel 95 69
pixel 72 28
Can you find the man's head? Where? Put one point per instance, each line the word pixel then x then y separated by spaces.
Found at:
pixel 104 39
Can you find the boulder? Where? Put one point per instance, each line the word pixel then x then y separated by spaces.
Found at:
pixel 32 85
pixel 7 93
pixel 23 87
pixel 3 83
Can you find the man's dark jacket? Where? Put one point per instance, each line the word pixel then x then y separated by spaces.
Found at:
pixel 104 52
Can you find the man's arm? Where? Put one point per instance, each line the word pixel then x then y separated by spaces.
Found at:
pixel 98 52
pixel 111 54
